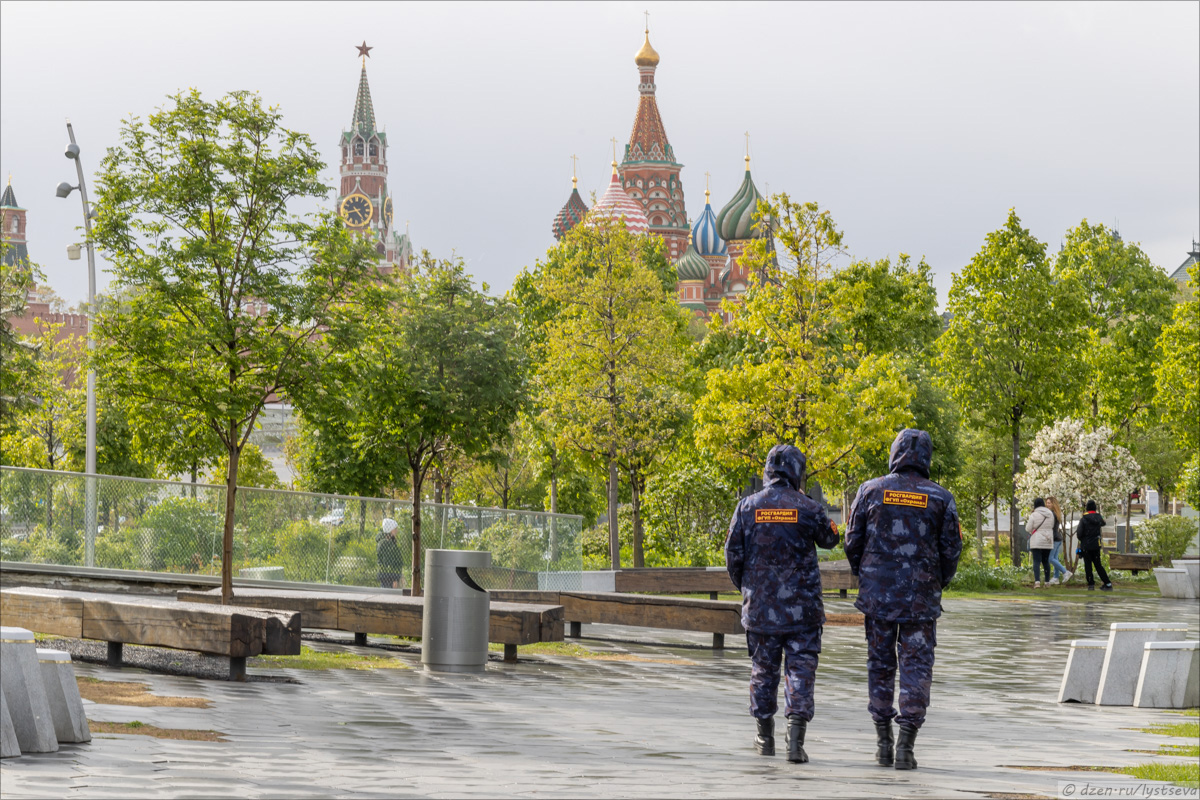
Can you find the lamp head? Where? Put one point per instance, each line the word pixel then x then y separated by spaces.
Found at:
pixel 64 189
pixel 72 151
pixel 73 252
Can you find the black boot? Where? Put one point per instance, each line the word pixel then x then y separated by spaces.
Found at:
pixel 764 743
pixel 904 748
pixel 884 756
pixel 795 740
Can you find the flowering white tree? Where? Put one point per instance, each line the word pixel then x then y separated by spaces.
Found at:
pixel 1075 464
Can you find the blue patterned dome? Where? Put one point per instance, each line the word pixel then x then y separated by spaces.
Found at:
pixel 704 233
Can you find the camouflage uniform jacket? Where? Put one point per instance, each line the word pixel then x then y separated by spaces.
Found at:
pixel 903 539
pixel 771 550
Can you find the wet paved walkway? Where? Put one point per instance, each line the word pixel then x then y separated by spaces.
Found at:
pixel 568 727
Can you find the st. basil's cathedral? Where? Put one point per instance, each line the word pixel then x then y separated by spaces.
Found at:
pixel 647 191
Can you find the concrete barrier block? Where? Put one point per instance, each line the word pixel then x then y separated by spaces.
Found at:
pixel 8 736
pixel 1174 583
pixel 1170 676
pixel 22 686
pixel 1081 678
pixel 1123 657
pixel 1193 570
pixel 66 706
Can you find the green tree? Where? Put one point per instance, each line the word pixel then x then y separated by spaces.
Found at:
pixel 1010 352
pixel 440 369
pixel 1177 381
pixel 53 416
pixel 18 376
pixel 1128 302
pixel 223 293
pixel 613 356
pixel 799 381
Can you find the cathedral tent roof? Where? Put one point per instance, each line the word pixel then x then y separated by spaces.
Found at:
pixel 8 199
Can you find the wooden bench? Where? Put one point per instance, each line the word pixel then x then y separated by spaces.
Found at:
pixel 835 576
pixel 392 614
pixel 1134 562
pixel 235 633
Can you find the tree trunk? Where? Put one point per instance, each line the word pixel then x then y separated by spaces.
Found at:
pixel 230 505
pixel 554 510
pixel 979 531
pixel 1013 511
pixel 614 531
pixel 362 519
pixel 195 475
pixel 635 495
pixel 996 522
pixel 417 480
pixel 1128 514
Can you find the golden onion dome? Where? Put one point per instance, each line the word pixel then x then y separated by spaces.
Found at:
pixel 647 56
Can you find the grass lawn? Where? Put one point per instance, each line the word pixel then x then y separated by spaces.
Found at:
pixel 320 659
pixel 1185 773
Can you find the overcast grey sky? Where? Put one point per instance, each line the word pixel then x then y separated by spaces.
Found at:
pixel 918 125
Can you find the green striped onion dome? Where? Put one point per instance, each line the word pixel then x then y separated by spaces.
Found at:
pixel 736 219
pixel 691 266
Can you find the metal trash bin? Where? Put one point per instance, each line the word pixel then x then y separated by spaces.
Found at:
pixel 454 627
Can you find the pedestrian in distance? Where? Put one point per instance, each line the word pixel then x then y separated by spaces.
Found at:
pixel 903 542
pixel 1090 529
pixel 387 552
pixel 1061 573
pixel 771 556
pixel 1041 539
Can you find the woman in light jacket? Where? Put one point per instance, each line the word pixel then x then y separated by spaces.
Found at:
pixel 1041 539
pixel 1061 573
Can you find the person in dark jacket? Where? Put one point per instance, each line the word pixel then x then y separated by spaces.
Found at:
pixel 1090 529
pixel 903 542
pixel 771 555
pixel 387 552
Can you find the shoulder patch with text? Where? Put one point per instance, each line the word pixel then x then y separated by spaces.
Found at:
pixel 910 499
pixel 776 515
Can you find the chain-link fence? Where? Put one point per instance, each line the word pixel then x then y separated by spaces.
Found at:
pixel 166 526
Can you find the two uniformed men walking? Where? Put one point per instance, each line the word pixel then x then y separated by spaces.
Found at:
pixel 903 542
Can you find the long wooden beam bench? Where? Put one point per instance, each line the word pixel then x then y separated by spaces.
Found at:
pixel 835 576
pixel 511 624
pixel 717 617
pixel 235 633
pixel 1134 562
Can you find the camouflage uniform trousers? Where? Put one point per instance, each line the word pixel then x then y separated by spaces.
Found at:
pixel 914 642
pixel 798 650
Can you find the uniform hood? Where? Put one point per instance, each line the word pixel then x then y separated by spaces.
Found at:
pixel 785 467
pixel 912 449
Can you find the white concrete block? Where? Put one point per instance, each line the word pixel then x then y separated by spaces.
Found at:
pixel 66 706
pixel 1174 582
pixel 8 736
pixel 1123 657
pixel 1193 570
pixel 1081 678
pixel 1170 676
pixel 22 686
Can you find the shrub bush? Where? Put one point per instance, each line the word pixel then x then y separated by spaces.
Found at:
pixel 1165 537
pixel 303 550
pixel 180 534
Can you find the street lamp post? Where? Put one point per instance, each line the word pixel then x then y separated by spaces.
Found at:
pixel 64 189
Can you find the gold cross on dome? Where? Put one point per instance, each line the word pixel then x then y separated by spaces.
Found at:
pixel 647 13
pixel 614 142
pixel 574 164
pixel 747 143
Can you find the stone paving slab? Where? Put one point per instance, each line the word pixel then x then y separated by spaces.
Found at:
pixel 567 727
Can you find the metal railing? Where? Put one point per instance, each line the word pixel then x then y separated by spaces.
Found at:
pixel 174 527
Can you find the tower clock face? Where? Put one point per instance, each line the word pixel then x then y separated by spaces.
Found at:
pixel 387 212
pixel 356 210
